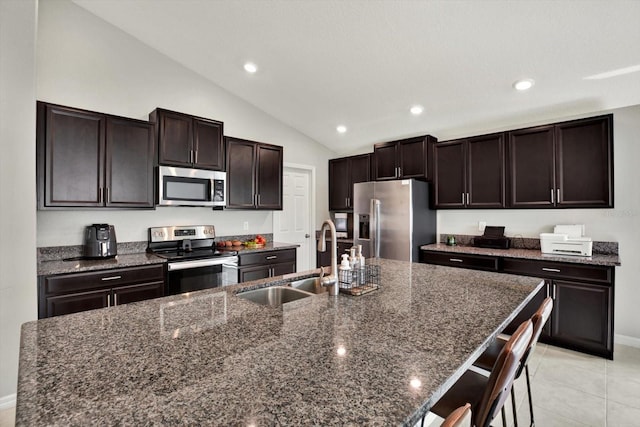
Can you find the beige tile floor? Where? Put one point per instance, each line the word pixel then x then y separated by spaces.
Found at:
pixel 574 389
pixel 569 389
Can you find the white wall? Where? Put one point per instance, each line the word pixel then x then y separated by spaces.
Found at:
pixel 87 63
pixel 17 182
pixel 620 224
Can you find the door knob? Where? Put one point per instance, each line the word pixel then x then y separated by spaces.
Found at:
pixel 306 236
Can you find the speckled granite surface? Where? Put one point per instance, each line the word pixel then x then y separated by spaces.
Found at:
pixel 58 266
pixel 596 259
pixel 518 242
pixel 130 260
pixel 212 358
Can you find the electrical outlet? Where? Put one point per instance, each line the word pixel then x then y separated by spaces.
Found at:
pixel 245 226
pixel 481 225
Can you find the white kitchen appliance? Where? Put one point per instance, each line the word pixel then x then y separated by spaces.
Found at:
pixel 566 240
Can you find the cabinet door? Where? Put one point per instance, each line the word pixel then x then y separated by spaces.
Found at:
pixel 412 158
pixel 584 172
pixel 283 268
pixel 241 159
pixel 339 184
pixel 208 144
pixel 74 303
pixel 129 163
pixel 582 316
pixel 384 161
pixel 247 274
pixel 174 139
pixel 269 177
pixel 72 143
pixel 485 171
pixel 141 292
pixel 449 174
pixel 360 169
pixel 531 170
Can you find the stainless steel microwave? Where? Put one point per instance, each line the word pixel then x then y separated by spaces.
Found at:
pixel 191 187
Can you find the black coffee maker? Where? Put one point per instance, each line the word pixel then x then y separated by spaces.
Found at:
pixel 100 241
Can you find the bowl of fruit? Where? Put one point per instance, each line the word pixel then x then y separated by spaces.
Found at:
pixel 258 242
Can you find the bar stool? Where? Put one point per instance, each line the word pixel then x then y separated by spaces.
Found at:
pixel 461 417
pixel 488 359
pixel 487 395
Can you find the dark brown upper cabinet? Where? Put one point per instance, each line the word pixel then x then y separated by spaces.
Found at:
pixel 568 164
pixel 188 141
pixel 343 173
pixel 407 158
pixel 90 159
pixel 254 175
pixel 469 173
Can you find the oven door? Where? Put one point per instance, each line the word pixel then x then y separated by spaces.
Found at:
pixel 189 276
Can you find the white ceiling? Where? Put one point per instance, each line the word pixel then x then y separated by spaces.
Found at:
pixel 364 63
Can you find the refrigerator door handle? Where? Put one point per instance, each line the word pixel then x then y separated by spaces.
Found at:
pixel 374 228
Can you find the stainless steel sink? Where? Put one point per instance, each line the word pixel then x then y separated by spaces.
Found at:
pixel 310 284
pixel 274 296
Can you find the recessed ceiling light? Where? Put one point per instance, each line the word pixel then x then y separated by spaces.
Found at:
pixel 250 67
pixel 524 84
pixel 341 129
pixel 416 110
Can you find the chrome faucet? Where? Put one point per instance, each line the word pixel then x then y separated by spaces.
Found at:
pixel 332 279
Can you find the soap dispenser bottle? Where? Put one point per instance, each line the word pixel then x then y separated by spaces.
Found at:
pixel 344 272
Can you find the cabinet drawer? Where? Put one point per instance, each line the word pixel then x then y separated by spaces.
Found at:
pixel 269 257
pixel 559 270
pixel 66 283
pixel 477 262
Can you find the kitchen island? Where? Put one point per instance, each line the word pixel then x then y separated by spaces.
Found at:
pixel 212 358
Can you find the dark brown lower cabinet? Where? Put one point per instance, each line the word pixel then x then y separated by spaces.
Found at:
pixel 323 259
pixel 262 265
pixel 71 293
pixel 582 316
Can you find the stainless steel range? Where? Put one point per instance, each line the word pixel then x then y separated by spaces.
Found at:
pixel 193 261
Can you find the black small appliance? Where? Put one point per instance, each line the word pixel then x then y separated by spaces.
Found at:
pixel 100 241
pixel 493 237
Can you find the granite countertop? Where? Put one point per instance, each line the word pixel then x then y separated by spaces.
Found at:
pixel 212 358
pixel 534 254
pixel 58 266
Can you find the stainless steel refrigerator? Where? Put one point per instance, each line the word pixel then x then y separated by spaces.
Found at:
pixel 392 219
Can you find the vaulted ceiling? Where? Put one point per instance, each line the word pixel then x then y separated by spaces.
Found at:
pixel 363 64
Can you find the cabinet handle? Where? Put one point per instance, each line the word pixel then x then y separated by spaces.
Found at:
pixel 553 270
pixel 272 257
pixel 109 300
pixel 557 195
pixel 463 198
pixel 258 200
pixel 115 299
pixel 399 171
pixel 100 191
pixel 552 200
pixel 349 201
pixel 111 278
pixel 546 285
pixel 467 198
pixel 106 195
pixel 195 156
pixel 271 272
pixel 455 260
pixel 554 291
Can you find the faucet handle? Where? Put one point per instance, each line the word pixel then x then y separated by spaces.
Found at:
pixel 321 272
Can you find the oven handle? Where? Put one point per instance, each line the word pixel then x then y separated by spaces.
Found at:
pixel 184 265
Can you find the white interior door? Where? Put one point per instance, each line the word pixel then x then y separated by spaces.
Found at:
pixel 293 224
